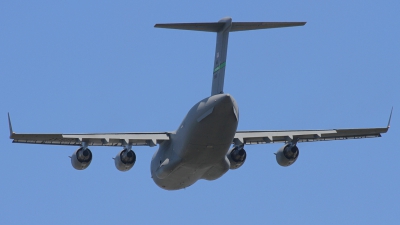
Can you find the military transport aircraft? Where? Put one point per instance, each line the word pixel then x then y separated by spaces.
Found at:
pixel 200 147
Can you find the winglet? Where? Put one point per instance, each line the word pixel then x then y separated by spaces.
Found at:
pixel 390 118
pixel 10 126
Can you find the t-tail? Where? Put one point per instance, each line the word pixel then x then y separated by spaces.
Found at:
pixel 222 28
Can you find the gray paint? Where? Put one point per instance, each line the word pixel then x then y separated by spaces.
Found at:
pixel 222 28
pixel 221 50
pixel 199 148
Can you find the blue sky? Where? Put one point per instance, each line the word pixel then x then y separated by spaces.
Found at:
pixel 100 66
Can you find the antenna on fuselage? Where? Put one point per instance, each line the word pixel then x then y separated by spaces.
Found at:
pixel 222 28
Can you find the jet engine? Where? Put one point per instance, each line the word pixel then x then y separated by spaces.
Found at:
pixel 287 155
pixel 81 158
pixel 125 160
pixel 236 156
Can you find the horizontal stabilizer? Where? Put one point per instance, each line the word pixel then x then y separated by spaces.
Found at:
pixel 223 27
pixel 236 26
pixel 241 26
pixel 210 27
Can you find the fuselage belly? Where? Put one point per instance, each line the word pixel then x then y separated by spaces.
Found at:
pixel 197 150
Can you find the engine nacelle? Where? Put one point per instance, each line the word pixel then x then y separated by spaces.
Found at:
pixel 236 156
pixel 287 155
pixel 124 160
pixel 81 159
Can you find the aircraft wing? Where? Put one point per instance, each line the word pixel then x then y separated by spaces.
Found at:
pixel 101 139
pixel 264 137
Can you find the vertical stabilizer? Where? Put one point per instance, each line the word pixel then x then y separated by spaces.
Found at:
pixel 222 28
pixel 221 50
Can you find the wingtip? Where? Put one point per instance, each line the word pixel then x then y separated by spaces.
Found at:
pixel 10 126
pixel 390 118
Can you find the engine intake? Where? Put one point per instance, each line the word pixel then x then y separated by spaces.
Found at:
pixel 81 158
pixel 287 155
pixel 236 156
pixel 125 160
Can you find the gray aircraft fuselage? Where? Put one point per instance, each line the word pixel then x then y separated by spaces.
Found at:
pixel 198 149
